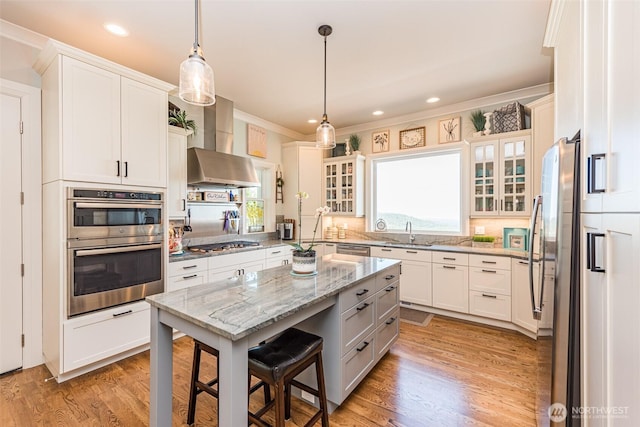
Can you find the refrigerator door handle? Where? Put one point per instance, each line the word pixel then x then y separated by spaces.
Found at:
pixel 537 311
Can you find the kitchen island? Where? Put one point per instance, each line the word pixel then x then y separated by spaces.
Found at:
pixel 353 300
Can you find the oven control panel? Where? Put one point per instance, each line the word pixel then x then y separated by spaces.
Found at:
pixel 117 195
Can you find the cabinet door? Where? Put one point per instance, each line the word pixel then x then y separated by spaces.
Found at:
pixel 177 185
pixel 515 176
pixel 90 123
pixel 610 315
pixel 451 287
pixel 144 134
pixel 415 282
pixel 521 312
pixel 484 160
pixel 309 172
pixel 330 248
pixel 331 186
pixel 347 188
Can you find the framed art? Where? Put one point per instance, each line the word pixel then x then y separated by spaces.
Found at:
pixel 412 138
pixel 256 141
pixel 515 238
pixel 449 130
pixel 380 141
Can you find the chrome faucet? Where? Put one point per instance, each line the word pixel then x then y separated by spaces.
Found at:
pixel 409 228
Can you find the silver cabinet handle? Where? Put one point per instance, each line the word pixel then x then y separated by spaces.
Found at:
pixel 123 313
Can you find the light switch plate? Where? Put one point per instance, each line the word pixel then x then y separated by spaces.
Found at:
pixel 479 229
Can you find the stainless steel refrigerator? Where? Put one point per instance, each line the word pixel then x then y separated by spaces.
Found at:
pixel 555 221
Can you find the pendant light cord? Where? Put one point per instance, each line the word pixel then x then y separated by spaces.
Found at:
pixel 325 79
pixel 195 43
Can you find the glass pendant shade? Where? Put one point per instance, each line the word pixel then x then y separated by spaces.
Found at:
pixel 325 135
pixel 196 81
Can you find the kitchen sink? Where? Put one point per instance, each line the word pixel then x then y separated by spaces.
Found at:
pixel 408 245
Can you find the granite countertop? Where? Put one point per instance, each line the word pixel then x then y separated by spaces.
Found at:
pixel 238 306
pixel 387 244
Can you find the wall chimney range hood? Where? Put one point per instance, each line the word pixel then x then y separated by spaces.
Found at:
pixel 214 164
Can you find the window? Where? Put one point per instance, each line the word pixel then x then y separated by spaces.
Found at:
pixel 259 201
pixel 424 188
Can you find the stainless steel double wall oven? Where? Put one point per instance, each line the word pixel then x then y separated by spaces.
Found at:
pixel 115 247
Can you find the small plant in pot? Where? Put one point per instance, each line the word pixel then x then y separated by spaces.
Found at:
pixel 179 119
pixel 304 260
pixel 482 241
pixel 478 119
pixel 354 142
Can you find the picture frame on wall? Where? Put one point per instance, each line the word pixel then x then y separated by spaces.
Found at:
pixel 412 138
pixel 256 141
pixel 380 141
pixel 449 130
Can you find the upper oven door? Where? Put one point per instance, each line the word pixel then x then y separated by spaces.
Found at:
pixel 91 219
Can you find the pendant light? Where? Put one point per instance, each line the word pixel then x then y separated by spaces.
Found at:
pixel 196 76
pixel 325 134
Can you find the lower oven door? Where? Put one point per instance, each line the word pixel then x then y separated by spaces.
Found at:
pixel 102 277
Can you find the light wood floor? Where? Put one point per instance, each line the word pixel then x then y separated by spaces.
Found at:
pixel 449 373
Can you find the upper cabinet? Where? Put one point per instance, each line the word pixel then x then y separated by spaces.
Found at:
pixel 501 174
pixel 343 185
pixel 101 123
pixel 177 185
pixel 611 93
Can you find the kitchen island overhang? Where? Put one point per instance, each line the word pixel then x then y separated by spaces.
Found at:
pixel 233 314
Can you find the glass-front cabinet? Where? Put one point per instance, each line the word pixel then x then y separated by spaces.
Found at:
pixel 344 185
pixel 501 175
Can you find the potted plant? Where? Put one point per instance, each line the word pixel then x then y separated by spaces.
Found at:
pixel 478 120
pixel 482 241
pixel 179 118
pixel 304 260
pixel 354 142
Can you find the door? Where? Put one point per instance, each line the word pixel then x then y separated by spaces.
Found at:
pixel 11 249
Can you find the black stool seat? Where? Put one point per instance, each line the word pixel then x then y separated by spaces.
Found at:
pixel 277 363
pixel 274 359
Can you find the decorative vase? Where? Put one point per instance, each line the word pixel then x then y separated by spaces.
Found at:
pixel 304 262
pixel 488 123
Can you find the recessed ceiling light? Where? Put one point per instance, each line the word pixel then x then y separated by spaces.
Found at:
pixel 433 99
pixel 312 121
pixel 378 113
pixel 116 29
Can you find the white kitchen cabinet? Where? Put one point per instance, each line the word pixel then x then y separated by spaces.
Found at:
pixel 415 280
pixel 177 175
pixel 225 266
pixel 278 256
pixel 329 248
pixel 302 164
pixel 490 286
pixel 343 185
pixel 521 311
pixel 100 125
pixel 183 274
pixel 542 137
pixel 610 149
pixel 451 281
pixel 501 174
pixel 610 316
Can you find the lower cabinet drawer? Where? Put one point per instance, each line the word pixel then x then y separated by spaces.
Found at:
pixel 387 333
pixel 357 322
pixel 185 281
pixel 356 363
pixel 490 280
pixel 392 275
pixel 357 294
pixel 387 300
pixel 96 336
pixel 491 305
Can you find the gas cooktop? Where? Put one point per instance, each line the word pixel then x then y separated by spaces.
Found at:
pixel 222 246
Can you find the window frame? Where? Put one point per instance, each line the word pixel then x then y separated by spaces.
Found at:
pixel 462 148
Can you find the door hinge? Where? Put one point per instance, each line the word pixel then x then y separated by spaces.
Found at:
pixel 22 269
pixel 22 197
pixel 21 128
pixel 23 340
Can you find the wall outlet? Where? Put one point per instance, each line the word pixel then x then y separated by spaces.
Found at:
pixel 307 396
pixel 479 229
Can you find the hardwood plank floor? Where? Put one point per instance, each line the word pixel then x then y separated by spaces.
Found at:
pixel 449 373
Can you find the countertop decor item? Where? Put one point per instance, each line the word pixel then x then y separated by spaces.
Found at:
pixel 516 238
pixel 196 76
pixel 325 134
pixel 304 260
pixel 482 241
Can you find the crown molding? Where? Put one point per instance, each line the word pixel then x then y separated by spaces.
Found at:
pixel 553 23
pixel 22 35
pixel 249 118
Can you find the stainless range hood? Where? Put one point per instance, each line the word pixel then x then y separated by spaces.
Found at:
pixel 214 164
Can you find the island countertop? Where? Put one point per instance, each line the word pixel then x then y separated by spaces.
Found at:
pixel 236 307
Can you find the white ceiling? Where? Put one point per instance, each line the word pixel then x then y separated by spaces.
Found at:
pixel 267 56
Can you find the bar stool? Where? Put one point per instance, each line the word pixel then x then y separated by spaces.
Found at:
pixel 277 363
pixel 197 386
